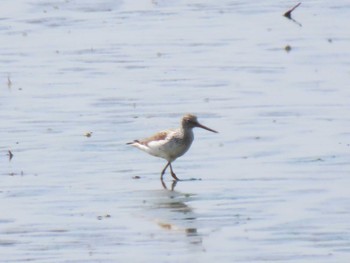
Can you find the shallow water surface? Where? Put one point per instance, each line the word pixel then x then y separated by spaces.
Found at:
pixel 273 185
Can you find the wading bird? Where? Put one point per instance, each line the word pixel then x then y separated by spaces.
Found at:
pixel 171 144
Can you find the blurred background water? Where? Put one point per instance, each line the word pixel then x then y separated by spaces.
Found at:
pixel 274 182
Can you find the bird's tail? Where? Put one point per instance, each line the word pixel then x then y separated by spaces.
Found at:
pixel 132 142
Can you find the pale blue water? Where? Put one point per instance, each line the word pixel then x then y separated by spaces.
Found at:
pixel 275 180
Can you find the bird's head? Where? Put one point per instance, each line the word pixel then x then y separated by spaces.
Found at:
pixel 190 121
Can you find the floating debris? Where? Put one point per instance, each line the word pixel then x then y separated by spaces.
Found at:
pixel 88 134
pixel 288 48
pixel 10 154
pixel 9 82
pixel 136 177
pixel 288 14
pixel 15 174
pixel 102 217
pixel 317 160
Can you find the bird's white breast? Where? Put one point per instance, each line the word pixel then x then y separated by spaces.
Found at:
pixel 173 146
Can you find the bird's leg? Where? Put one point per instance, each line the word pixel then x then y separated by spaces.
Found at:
pixel 172 173
pixel 166 166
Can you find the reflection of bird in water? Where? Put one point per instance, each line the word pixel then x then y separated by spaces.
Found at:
pixel 171 144
pixel 173 185
pixel 176 215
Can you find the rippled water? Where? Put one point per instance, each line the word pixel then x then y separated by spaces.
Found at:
pixel 274 182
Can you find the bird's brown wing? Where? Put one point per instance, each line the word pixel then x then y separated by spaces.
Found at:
pixel 159 136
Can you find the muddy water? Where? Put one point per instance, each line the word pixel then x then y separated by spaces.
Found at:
pixel 274 182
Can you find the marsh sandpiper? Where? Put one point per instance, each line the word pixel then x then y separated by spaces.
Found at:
pixel 171 144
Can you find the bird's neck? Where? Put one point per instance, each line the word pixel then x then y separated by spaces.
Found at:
pixel 187 133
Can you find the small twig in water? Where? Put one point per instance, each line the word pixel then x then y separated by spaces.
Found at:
pixel 9 82
pixel 10 154
pixel 288 14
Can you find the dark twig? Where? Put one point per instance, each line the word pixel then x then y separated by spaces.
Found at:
pixel 10 155
pixel 9 82
pixel 288 14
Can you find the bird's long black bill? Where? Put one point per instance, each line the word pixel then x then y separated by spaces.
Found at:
pixel 205 128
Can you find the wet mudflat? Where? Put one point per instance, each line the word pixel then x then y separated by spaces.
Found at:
pixel 274 183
